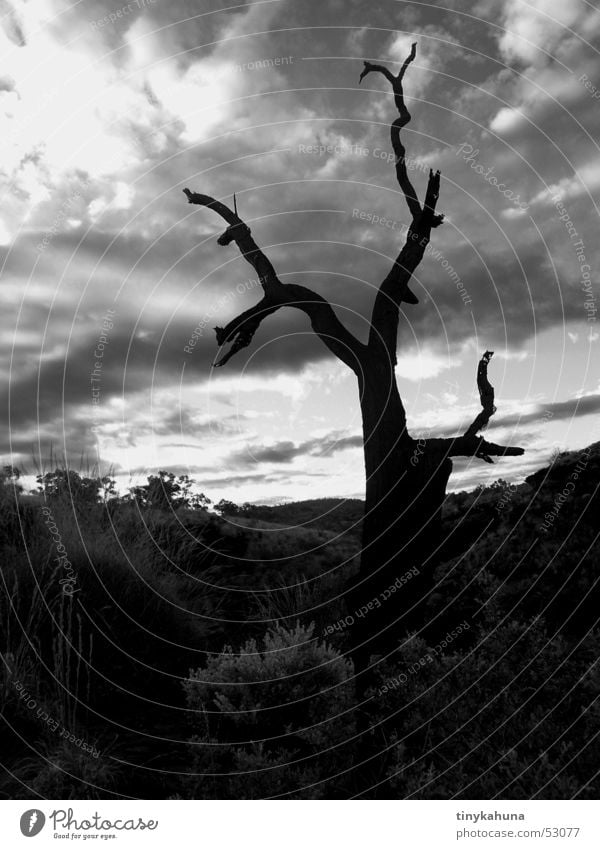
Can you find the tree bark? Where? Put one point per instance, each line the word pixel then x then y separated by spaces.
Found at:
pixel 406 482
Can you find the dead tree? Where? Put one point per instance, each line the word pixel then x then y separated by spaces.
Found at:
pixel 405 480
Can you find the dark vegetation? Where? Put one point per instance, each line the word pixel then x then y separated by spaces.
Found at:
pixel 199 653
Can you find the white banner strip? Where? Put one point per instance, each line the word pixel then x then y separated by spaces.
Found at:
pixel 301 824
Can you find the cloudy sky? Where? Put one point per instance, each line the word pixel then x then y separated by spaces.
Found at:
pixel 108 110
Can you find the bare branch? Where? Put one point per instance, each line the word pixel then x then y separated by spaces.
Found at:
pixel 241 329
pixel 486 395
pixel 470 444
pixel 239 232
pixel 412 202
pixel 394 289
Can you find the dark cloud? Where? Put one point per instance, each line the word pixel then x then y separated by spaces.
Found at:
pixel 184 421
pixel 553 412
pixel 6 83
pixel 520 274
pixel 286 452
pixel 11 23
pixel 542 415
pixel 198 473
pixel 59 442
pixel 51 385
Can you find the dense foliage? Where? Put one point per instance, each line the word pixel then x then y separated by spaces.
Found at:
pixel 155 647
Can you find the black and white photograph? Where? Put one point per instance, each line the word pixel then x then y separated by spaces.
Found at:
pixel 300 445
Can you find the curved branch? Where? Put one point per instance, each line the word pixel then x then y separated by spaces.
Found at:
pixel 408 190
pixel 486 396
pixel 394 289
pixel 470 444
pixel 241 329
pixel 239 232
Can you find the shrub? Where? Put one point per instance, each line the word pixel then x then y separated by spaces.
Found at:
pixel 272 720
pixel 513 718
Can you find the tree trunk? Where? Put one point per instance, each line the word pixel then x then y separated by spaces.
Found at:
pixel 405 491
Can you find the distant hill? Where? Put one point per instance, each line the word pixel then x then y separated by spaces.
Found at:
pixel 466 514
pixel 332 515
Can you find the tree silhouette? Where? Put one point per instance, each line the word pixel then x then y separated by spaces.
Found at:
pixel 74 488
pixel 164 491
pixel 406 479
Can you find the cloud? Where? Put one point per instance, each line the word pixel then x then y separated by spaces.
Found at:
pixel 586 181
pixel 260 479
pixel 102 126
pixel 286 451
pixel 533 30
pixel 554 411
pixel 506 120
pixel 542 414
pixel 12 23
pixel 420 365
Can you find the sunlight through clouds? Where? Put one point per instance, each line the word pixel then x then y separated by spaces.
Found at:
pixel 102 123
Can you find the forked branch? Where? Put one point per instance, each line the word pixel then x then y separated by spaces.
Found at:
pixel 394 289
pixel 240 330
